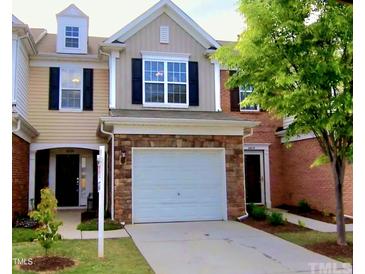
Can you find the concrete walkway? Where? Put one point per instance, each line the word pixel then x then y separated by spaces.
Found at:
pixel 68 231
pixel 311 223
pixel 224 248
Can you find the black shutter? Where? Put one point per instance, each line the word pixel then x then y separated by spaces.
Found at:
pixel 137 81
pixel 88 89
pixel 234 95
pixel 235 99
pixel 193 84
pixel 54 88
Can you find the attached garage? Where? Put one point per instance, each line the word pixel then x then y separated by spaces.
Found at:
pixel 178 184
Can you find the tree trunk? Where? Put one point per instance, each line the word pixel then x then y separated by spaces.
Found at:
pixel 338 169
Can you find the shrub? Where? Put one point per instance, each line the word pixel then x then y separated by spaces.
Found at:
pixel 275 218
pixel 45 215
pixel 25 222
pixel 249 208
pixel 258 212
pixel 301 223
pixel 304 206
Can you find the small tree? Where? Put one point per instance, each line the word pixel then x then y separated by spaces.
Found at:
pixel 298 57
pixel 46 216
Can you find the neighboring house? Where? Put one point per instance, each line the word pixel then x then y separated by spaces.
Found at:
pixel 276 174
pixel 152 95
pixel 23 46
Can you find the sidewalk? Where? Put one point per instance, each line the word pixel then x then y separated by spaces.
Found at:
pixel 68 231
pixel 311 223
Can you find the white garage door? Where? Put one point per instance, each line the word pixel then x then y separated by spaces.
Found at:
pixel 178 185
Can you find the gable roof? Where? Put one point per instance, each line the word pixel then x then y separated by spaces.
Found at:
pixel 173 11
pixel 72 11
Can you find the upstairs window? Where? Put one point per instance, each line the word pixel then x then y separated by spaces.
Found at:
pixel 165 83
pixel 72 37
pixel 244 92
pixel 71 89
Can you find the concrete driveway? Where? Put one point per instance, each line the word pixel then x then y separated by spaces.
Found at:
pixel 224 248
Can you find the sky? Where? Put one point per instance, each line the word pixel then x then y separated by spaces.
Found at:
pixel 218 17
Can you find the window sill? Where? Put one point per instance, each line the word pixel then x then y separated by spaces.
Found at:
pixel 250 111
pixel 69 110
pixel 153 105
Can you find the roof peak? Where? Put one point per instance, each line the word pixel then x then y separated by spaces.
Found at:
pixel 73 11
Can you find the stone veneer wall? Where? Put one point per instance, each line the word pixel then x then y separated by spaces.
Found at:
pixel 123 169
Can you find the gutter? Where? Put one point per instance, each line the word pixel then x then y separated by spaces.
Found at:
pixel 112 166
pixel 245 215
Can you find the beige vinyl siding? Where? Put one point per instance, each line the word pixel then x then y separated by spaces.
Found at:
pixel 66 127
pixel 148 39
pixel 21 78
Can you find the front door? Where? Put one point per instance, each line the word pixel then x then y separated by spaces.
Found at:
pixel 254 179
pixel 67 179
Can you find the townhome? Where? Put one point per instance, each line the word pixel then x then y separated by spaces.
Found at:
pixel 151 94
pixel 178 145
pixel 277 173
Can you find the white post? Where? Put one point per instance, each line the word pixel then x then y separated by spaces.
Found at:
pixel 101 171
pixel 31 180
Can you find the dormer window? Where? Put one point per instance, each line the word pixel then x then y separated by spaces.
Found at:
pixel 72 37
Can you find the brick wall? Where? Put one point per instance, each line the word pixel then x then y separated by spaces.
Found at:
pixel 291 179
pixel 123 171
pixel 263 134
pixel 313 184
pixel 20 175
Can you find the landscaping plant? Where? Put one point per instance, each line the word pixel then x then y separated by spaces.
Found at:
pixel 45 215
pixel 297 56
pixel 304 206
pixel 301 223
pixel 258 212
pixel 275 218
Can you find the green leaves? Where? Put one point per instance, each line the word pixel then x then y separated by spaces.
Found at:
pixel 320 160
pixel 46 216
pixel 299 65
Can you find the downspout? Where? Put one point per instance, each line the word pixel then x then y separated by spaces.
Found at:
pixel 112 166
pixel 17 126
pixel 244 216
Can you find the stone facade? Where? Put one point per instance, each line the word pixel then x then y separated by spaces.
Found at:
pixel 20 176
pixel 123 167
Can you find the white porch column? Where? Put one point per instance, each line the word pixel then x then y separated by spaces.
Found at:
pixel 31 177
pixel 217 85
pixel 113 78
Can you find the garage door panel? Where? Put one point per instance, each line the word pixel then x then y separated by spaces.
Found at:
pixel 178 185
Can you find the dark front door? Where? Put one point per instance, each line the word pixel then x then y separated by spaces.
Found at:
pixel 67 180
pixel 253 178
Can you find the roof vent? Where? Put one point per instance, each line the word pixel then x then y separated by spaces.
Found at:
pixel 164 35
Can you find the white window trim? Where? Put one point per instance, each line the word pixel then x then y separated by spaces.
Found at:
pixel 62 109
pixel 247 110
pixel 165 59
pixel 78 38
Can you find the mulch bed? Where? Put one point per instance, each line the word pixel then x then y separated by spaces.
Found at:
pixel 48 263
pixel 331 249
pixel 314 214
pixel 265 226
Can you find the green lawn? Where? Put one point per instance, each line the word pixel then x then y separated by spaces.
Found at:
pixel 92 225
pixel 23 235
pixel 121 256
pixel 313 237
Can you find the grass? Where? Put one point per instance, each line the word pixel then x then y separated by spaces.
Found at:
pixel 23 235
pixel 307 238
pixel 92 225
pixel 121 256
